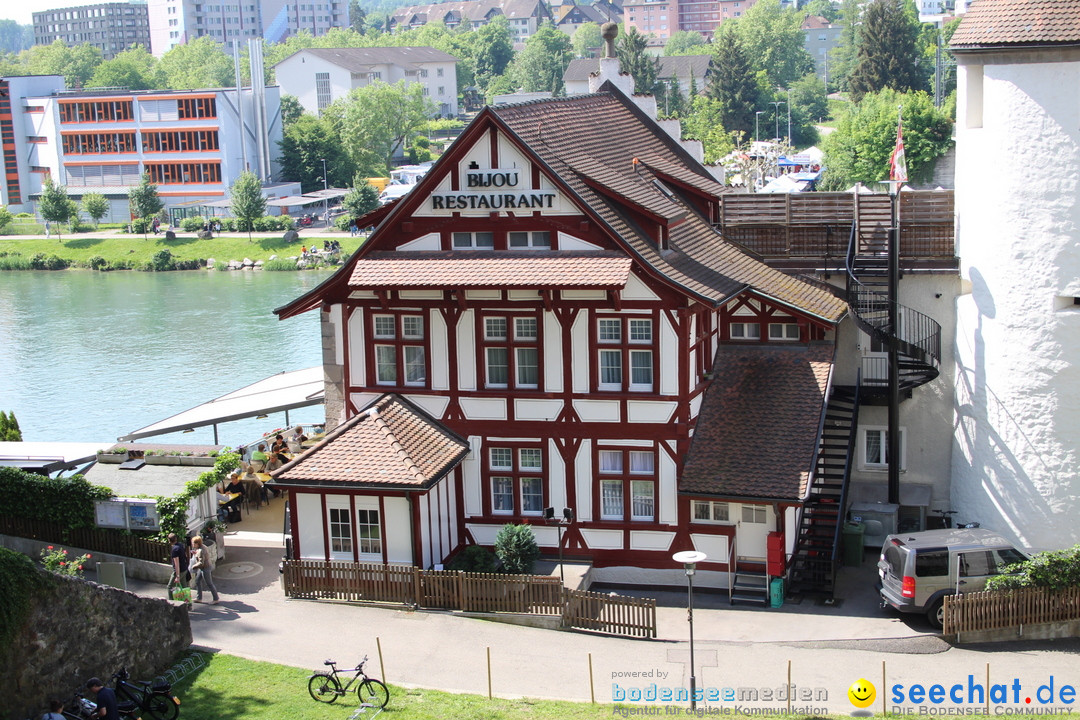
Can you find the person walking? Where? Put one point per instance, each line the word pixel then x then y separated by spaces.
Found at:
pixel 202 566
pixel 48 230
pixel 179 555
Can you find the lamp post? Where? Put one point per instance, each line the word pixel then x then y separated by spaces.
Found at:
pixel 757 116
pixel 325 200
pixel 776 115
pixel 789 118
pixel 689 560
pixel 567 518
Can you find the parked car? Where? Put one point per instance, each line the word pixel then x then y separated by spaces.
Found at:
pixel 919 569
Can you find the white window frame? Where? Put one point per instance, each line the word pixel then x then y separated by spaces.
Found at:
pixel 882 435
pixel 534 240
pixel 458 240
pixel 369 544
pixel 718 512
pixel 339 530
pixel 611 483
pixel 784 332
pixel 738 330
pixel 754 514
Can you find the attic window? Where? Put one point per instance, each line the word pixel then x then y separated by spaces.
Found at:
pixel 664 189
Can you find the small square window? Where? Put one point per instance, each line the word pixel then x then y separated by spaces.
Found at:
pixel 495 328
pixel 641 331
pixel 610 330
pixel 525 328
pixel 501 458
pixel 384 326
pixel 412 326
pixel 531 459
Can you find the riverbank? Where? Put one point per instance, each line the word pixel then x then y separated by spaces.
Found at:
pixel 107 250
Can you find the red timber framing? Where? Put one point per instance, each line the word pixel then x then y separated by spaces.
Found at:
pixel 629 342
pixel 752 318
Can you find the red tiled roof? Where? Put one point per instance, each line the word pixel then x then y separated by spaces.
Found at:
pixel 995 23
pixel 758 427
pixel 491 269
pixel 607 129
pixel 392 443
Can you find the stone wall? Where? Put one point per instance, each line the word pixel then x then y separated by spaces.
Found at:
pixel 78 629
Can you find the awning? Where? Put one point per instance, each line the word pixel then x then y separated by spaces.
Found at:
pixel 327 194
pixel 218 203
pixel 48 457
pixel 292 200
pixel 277 393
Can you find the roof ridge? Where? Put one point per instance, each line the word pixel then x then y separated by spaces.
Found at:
pixel 410 465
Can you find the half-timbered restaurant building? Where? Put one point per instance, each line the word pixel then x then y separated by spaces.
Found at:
pixel 557 317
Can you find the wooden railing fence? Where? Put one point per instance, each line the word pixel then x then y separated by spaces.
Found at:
pixel 995 609
pixel 471 592
pixel 101 540
pixel 818 224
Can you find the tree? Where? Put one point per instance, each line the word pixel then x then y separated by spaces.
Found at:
pixel 733 85
pixel 304 145
pixel 703 122
pixel 144 201
pixel 291 110
pixel 13 37
pixel 374 121
pixel 888 55
pixel 516 547
pixel 357 16
pixel 540 66
pixel 643 67
pixel 248 201
pixel 809 105
pixel 5 217
pixel 587 40
pixel 774 41
pixel 493 45
pixel 9 427
pixel 823 8
pixel 76 64
pixel 55 206
pixel 96 206
pixel 843 57
pixel 362 199
pixel 134 68
pixel 865 136
pixel 199 63
pixel 685 42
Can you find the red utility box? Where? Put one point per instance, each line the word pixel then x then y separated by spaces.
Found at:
pixel 775 554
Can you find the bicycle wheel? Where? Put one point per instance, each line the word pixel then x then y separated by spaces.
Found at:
pixel 160 706
pixel 373 692
pixel 324 688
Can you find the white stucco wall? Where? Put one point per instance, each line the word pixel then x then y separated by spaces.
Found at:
pixel 1018 330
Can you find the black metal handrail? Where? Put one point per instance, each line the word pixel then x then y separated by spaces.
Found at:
pixel 847 470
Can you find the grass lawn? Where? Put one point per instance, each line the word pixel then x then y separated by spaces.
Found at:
pixel 78 249
pixel 232 688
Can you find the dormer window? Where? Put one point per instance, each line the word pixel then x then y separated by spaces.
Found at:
pixel 539 240
pixel 474 241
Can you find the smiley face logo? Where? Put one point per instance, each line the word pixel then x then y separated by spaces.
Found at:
pixel 861 693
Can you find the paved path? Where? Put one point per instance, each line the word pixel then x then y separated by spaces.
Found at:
pixel 828 648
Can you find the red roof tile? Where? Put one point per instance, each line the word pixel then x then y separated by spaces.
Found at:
pixel 758 427
pixel 997 23
pixel 491 269
pixel 392 443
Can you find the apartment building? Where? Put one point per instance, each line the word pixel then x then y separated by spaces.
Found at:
pixel 192 144
pixel 662 18
pixel 111 27
pixel 525 16
pixel 319 76
pixel 175 22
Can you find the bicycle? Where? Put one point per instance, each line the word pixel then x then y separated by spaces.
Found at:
pixel 326 687
pixel 947 521
pixel 81 708
pixel 156 701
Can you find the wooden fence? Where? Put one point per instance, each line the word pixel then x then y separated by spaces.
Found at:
pixel 101 540
pixel 995 609
pixel 470 592
pixel 818 224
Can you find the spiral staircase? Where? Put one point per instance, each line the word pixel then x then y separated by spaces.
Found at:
pixel 816 557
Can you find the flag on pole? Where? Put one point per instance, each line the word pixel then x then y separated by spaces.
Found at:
pixel 897 161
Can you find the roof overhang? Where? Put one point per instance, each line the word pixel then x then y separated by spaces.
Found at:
pixel 48 457
pixel 277 393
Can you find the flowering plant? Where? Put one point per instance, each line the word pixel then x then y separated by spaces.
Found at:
pixel 57 560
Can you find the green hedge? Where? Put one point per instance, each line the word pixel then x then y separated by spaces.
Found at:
pixel 1057 569
pixel 68 501
pixel 19 580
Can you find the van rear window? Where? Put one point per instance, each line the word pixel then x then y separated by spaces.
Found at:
pixel 932 564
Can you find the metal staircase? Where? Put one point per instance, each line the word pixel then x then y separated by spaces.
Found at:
pixel 817 548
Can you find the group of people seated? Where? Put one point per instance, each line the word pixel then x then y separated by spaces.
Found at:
pixel 246 480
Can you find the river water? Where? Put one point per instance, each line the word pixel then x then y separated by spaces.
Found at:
pixel 89 356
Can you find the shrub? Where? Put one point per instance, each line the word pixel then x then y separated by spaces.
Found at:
pixel 41 261
pixel 228 224
pixel 14 262
pixel 192 224
pixel 1056 569
pixel 56 560
pixel 190 264
pixel 162 261
pixel 97 263
pixel 342 222
pixel 140 226
pixel 280 264
pixel 474 558
pixel 286 222
pixel 422 141
pixel 516 547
